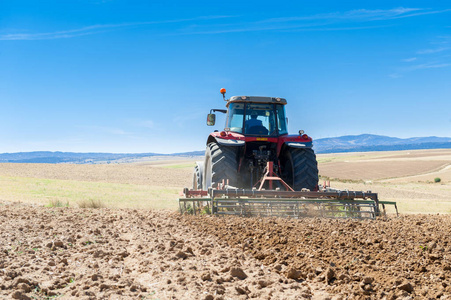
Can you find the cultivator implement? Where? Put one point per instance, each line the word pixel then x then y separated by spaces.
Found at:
pixel 328 203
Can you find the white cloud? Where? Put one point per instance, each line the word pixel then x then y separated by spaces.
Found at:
pixel 293 23
pixel 55 35
pixel 432 65
pixel 429 66
pixel 431 51
pixel 363 15
pixel 440 61
pixel 94 29
pixel 296 28
pixel 319 22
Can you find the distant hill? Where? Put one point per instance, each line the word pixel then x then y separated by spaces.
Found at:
pixel 348 143
pixel 371 142
pixel 80 158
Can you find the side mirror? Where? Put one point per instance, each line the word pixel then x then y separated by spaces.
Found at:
pixel 211 119
pixel 287 120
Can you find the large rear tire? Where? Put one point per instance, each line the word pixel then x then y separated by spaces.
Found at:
pixel 301 169
pixel 221 162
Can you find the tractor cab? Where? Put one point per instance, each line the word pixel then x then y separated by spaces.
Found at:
pixel 254 116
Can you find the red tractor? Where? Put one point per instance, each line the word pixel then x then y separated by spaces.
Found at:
pixel 254 139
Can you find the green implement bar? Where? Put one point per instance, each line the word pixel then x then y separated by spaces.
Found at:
pixel 283 207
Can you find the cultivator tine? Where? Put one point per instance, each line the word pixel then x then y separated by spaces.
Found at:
pixel 295 208
pixel 294 204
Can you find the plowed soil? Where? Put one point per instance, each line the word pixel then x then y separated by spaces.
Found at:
pixel 71 253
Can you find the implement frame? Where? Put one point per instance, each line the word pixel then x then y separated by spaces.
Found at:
pixel 329 203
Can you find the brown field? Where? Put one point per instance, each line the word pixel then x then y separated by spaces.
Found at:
pixel 121 253
pixel 406 177
pixel 380 169
pixel 376 166
pixel 72 253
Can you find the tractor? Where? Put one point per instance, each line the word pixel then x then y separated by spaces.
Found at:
pixel 255 168
pixel 256 133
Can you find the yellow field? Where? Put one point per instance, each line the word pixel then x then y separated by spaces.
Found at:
pixel 406 177
pixel 140 185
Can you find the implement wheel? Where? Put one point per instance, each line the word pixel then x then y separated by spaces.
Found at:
pixel 221 162
pixel 301 169
pixel 197 176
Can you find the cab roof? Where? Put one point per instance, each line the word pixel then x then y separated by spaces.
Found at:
pixel 257 99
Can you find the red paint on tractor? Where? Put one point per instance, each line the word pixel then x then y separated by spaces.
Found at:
pixel 279 140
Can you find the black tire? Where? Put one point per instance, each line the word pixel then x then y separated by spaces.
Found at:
pixel 221 162
pixel 301 169
pixel 197 178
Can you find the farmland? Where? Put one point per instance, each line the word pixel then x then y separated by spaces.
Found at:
pixel 403 176
pixel 138 246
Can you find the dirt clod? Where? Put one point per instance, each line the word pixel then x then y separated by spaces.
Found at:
pixel 181 255
pixel 241 291
pixel 406 286
pixel 330 274
pixel 206 277
pixel 19 295
pixel 238 272
pixel 264 283
pixel 368 280
pixel 24 287
pixel 293 274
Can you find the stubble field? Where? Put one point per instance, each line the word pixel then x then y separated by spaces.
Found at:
pixel 126 251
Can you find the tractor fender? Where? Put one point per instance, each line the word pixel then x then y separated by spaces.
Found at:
pixel 293 141
pixel 283 146
pixel 228 141
pixel 300 145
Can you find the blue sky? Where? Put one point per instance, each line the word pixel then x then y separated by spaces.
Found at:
pixel 141 76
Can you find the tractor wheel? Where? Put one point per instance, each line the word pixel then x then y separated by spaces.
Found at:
pixel 301 169
pixel 197 178
pixel 221 162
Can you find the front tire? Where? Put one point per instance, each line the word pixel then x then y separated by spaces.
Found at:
pixel 221 162
pixel 301 169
